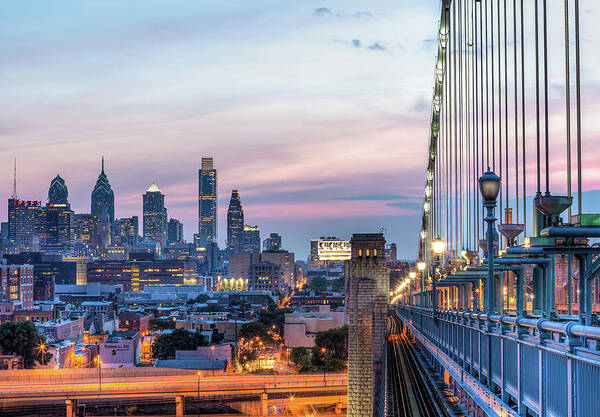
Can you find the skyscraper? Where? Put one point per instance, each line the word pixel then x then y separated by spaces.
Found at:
pixel 23 224
pixel 272 243
pixel 103 196
pixel 207 202
pixel 235 224
pixel 56 221
pixel 126 231
pixel 174 231
pixel 251 239
pixel 58 192
pixel 155 218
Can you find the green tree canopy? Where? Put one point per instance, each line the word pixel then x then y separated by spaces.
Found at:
pixel 162 324
pixel 301 357
pixel 335 343
pixel 23 339
pixel 318 284
pixel 179 339
pixel 254 329
pixel 201 298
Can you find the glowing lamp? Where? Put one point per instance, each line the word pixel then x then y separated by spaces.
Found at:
pixel 438 245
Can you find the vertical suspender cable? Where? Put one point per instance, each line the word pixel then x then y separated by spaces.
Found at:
pixel 500 161
pixel 537 98
pixel 493 84
pixel 546 123
pixel 487 91
pixel 506 106
pixel 459 152
pixel 516 109
pixel 476 119
pixel 568 102
pixel 523 148
pixel 578 108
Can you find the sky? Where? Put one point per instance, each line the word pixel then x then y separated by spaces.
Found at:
pixel 317 112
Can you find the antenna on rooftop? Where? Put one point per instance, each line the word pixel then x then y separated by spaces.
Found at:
pixel 14 195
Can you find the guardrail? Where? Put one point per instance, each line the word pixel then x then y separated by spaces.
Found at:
pixel 546 367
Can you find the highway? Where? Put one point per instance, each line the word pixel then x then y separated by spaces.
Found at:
pixel 49 388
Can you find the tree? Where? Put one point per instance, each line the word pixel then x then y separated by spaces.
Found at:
pixel 254 329
pixel 274 316
pixel 201 298
pixel 318 284
pixel 335 343
pixel 338 284
pixel 301 357
pixel 23 339
pixel 179 339
pixel 162 324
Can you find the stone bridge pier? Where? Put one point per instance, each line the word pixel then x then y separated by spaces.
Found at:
pixel 367 289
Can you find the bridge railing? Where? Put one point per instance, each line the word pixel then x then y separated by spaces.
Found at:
pixel 536 365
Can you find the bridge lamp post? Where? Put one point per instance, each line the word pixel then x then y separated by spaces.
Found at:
pixel 421 265
pixel 412 275
pixel 438 246
pixel 489 187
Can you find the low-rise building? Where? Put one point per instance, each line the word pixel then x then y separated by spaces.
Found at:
pixel 301 327
pixel 121 350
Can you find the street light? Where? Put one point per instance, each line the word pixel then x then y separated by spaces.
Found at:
pixel 489 186
pixel 212 348
pixel 438 246
pixel 323 352
pixel 99 363
pixel 421 265
pixel 43 347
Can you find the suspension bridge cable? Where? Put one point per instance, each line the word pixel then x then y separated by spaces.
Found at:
pixel 546 122
pixel 506 108
pixel 523 136
pixel 578 108
pixel 568 103
pixel 537 97
pixel 515 82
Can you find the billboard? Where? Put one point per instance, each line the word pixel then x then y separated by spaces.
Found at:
pixel 334 249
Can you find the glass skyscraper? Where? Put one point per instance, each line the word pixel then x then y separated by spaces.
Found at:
pixel 103 197
pixel 207 203
pixel 235 224
pixel 155 215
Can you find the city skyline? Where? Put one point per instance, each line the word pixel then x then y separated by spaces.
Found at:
pixel 314 150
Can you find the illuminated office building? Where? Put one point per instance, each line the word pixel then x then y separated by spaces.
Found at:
pixel 103 197
pixel 207 202
pixel 155 218
pixel 16 285
pixel 136 275
pixel 272 243
pixel 174 231
pixel 23 224
pixel 56 221
pixel 235 224
pixel 264 276
pixel 126 231
pixel 251 239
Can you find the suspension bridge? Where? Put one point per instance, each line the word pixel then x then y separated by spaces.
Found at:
pixel 500 310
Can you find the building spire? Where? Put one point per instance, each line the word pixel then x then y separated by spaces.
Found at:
pixel 103 164
pixel 14 196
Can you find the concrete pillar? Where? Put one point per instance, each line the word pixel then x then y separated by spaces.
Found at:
pixel 264 404
pixel 338 408
pixel 71 406
pixel 179 406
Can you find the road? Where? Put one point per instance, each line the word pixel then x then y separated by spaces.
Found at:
pixel 148 384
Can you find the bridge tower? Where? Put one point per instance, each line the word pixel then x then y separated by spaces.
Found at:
pixel 367 289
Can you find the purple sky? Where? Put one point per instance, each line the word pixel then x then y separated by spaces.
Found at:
pixel 316 112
